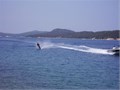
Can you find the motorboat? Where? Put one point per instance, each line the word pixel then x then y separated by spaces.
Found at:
pixel 115 51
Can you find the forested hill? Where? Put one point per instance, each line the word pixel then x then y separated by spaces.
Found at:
pixel 64 33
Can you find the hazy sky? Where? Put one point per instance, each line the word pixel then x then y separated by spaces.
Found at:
pixel 45 15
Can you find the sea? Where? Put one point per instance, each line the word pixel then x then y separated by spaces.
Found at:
pixel 62 63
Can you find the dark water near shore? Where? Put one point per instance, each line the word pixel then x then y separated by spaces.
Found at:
pixel 61 64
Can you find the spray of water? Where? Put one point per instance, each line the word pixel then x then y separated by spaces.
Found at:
pixel 81 48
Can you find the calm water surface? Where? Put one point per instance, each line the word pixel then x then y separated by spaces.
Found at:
pixel 61 64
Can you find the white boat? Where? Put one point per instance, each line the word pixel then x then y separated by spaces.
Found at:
pixel 115 50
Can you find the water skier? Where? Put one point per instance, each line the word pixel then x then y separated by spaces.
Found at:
pixel 38 45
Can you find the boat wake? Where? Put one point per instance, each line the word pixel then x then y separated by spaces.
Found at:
pixel 81 48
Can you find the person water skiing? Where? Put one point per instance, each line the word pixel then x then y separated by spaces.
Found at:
pixel 38 45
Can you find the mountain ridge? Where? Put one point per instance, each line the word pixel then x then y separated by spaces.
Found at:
pixel 66 33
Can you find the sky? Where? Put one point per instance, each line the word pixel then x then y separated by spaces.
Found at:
pixel 17 16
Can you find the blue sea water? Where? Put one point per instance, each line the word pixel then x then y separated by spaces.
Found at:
pixel 61 64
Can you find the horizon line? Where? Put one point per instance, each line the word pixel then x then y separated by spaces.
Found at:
pixel 59 28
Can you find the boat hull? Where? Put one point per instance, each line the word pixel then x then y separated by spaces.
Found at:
pixel 115 51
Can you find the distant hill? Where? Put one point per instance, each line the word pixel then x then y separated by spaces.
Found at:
pixel 6 34
pixel 32 33
pixel 22 34
pixel 56 33
pixel 61 31
pixel 97 35
pixel 65 33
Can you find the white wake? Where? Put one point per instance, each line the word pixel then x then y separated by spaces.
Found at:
pixel 81 48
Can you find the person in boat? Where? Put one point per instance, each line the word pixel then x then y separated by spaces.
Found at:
pixel 38 45
pixel 114 47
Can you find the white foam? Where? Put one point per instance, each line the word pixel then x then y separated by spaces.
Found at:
pixel 82 48
pixel 87 49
